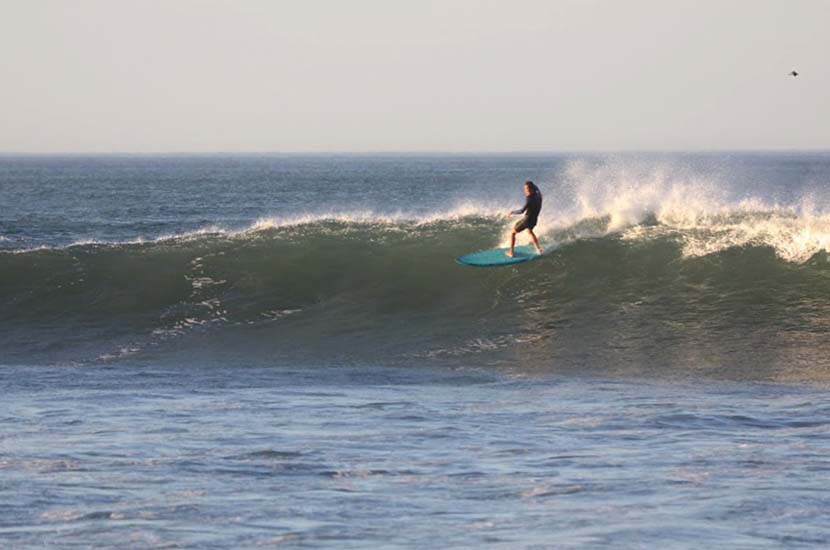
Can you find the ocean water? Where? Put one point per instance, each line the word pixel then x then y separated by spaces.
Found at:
pixel 259 351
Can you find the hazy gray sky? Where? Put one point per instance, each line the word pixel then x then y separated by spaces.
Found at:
pixel 414 75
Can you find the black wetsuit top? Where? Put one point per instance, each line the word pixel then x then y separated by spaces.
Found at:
pixel 531 209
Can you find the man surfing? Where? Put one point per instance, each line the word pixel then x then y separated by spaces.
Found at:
pixel 533 204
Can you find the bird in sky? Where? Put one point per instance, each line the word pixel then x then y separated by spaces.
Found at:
pixel 793 74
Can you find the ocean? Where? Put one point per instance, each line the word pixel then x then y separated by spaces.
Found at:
pixel 237 351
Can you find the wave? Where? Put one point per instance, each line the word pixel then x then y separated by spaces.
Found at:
pixel 657 262
pixel 341 280
pixel 795 233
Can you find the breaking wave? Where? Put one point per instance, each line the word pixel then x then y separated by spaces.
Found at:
pixel 627 269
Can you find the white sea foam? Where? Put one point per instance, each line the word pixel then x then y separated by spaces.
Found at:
pixel 647 201
pixel 119 354
pixel 364 217
pixel 794 234
pixel 459 212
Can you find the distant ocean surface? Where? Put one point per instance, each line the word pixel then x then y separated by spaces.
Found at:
pixel 232 351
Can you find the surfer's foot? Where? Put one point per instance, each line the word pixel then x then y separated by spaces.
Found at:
pixel 508 253
pixel 539 250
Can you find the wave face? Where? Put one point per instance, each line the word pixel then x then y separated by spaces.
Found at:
pixel 390 291
pixel 658 270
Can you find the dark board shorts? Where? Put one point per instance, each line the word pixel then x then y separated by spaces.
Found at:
pixel 523 224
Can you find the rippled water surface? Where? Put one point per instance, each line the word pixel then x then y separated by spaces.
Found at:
pixel 209 457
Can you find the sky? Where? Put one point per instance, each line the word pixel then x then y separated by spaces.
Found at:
pixel 407 75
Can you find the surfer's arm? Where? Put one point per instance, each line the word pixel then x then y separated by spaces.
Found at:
pixel 522 209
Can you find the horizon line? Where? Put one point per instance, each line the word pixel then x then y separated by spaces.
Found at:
pixel 412 152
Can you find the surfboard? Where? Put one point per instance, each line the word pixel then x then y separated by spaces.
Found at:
pixel 495 257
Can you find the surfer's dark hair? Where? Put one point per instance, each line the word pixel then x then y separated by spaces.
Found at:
pixel 531 185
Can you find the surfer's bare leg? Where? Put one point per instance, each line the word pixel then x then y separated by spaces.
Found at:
pixel 509 253
pixel 534 241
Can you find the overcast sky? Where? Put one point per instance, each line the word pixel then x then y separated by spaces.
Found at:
pixel 413 75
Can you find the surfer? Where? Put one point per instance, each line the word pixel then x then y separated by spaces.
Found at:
pixel 533 204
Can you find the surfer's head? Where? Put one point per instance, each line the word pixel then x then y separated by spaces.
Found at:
pixel 530 188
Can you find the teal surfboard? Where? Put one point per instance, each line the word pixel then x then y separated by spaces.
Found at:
pixel 495 257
